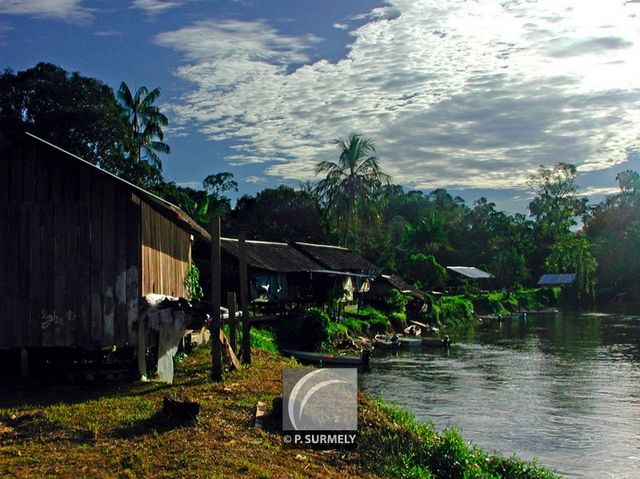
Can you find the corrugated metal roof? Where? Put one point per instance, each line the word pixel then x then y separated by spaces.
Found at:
pixel 556 279
pixel 171 210
pixel 336 258
pixel 272 256
pixel 470 272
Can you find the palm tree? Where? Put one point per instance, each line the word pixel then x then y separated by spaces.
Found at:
pixel 146 123
pixel 352 184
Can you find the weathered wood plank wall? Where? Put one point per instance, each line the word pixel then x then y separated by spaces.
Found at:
pixel 70 252
pixel 166 252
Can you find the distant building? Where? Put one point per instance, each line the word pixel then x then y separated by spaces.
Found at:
pixel 470 272
pixel 553 280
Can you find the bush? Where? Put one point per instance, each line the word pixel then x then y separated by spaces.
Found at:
pixel 396 302
pixel 393 444
pixel 456 312
pixel 374 320
pixel 398 321
pixel 263 339
pixel 307 333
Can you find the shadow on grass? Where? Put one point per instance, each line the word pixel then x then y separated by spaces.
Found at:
pixel 39 393
pixel 158 423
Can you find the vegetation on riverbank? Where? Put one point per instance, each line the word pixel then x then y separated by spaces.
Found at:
pixel 394 444
pixel 119 430
pixel 450 313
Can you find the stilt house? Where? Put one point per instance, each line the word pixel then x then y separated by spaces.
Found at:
pixel 79 247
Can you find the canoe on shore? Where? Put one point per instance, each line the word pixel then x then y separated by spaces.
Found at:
pixel 521 316
pixel 409 341
pixel 328 358
pixel 437 342
pixel 384 341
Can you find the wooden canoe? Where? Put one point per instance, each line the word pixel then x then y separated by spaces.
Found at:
pixel 328 358
pixel 437 342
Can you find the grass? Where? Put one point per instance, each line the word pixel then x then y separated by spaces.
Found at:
pixel 118 430
pixel 394 444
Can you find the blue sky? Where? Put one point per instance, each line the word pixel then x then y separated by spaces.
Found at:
pixel 467 95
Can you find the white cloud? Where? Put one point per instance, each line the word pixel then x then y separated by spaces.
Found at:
pixel 154 7
pixel 196 185
pixel 598 191
pixel 341 26
pixel 66 10
pixel 456 94
pixel 108 33
pixel 256 180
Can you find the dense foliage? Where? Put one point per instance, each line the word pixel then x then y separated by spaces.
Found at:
pixel 396 445
pixel 411 233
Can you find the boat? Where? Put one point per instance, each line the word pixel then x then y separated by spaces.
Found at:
pixel 384 341
pixel 521 316
pixel 426 328
pixel 437 342
pixel 413 330
pixel 330 359
pixel 409 341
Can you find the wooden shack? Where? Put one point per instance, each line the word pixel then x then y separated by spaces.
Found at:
pixel 350 269
pixel 278 272
pixel 79 247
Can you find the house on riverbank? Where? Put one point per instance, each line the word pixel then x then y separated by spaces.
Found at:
pixel 79 247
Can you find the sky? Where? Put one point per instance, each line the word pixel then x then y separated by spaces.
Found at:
pixel 467 95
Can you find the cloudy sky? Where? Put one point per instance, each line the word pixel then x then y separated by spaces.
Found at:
pixel 467 95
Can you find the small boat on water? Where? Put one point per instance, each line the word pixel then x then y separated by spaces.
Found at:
pixel 384 341
pixel 437 342
pixel 520 316
pixel 413 330
pixel 409 341
pixel 330 359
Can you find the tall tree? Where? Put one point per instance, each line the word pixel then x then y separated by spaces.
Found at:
pixel 278 214
pixel 555 207
pixel 352 185
pixel 77 113
pixel 145 123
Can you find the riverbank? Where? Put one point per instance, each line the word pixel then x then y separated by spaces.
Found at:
pixel 451 314
pixel 49 430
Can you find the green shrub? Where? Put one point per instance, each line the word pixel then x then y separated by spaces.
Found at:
pixel 308 332
pixel 488 303
pixel 263 339
pixel 375 320
pixel 393 444
pixel 456 312
pixel 396 302
pixel 398 321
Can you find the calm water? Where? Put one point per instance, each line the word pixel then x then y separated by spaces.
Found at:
pixel 563 388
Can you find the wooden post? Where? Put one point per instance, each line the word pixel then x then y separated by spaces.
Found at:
pixel 24 362
pixel 216 346
pixel 233 322
pixel 244 299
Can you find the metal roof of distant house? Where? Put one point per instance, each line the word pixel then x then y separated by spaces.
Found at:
pixel 336 258
pixel 168 209
pixel 556 279
pixel 272 256
pixel 401 285
pixel 470 272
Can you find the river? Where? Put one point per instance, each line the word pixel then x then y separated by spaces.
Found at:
pixel 562 388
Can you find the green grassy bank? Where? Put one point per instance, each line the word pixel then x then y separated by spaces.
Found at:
pixel 118 430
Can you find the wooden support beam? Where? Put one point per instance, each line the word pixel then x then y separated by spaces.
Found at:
pixel 233 321
pixel 24 362
pixel 244 299
pixel 216 323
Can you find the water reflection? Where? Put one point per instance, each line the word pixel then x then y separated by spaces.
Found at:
pixel 563 388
